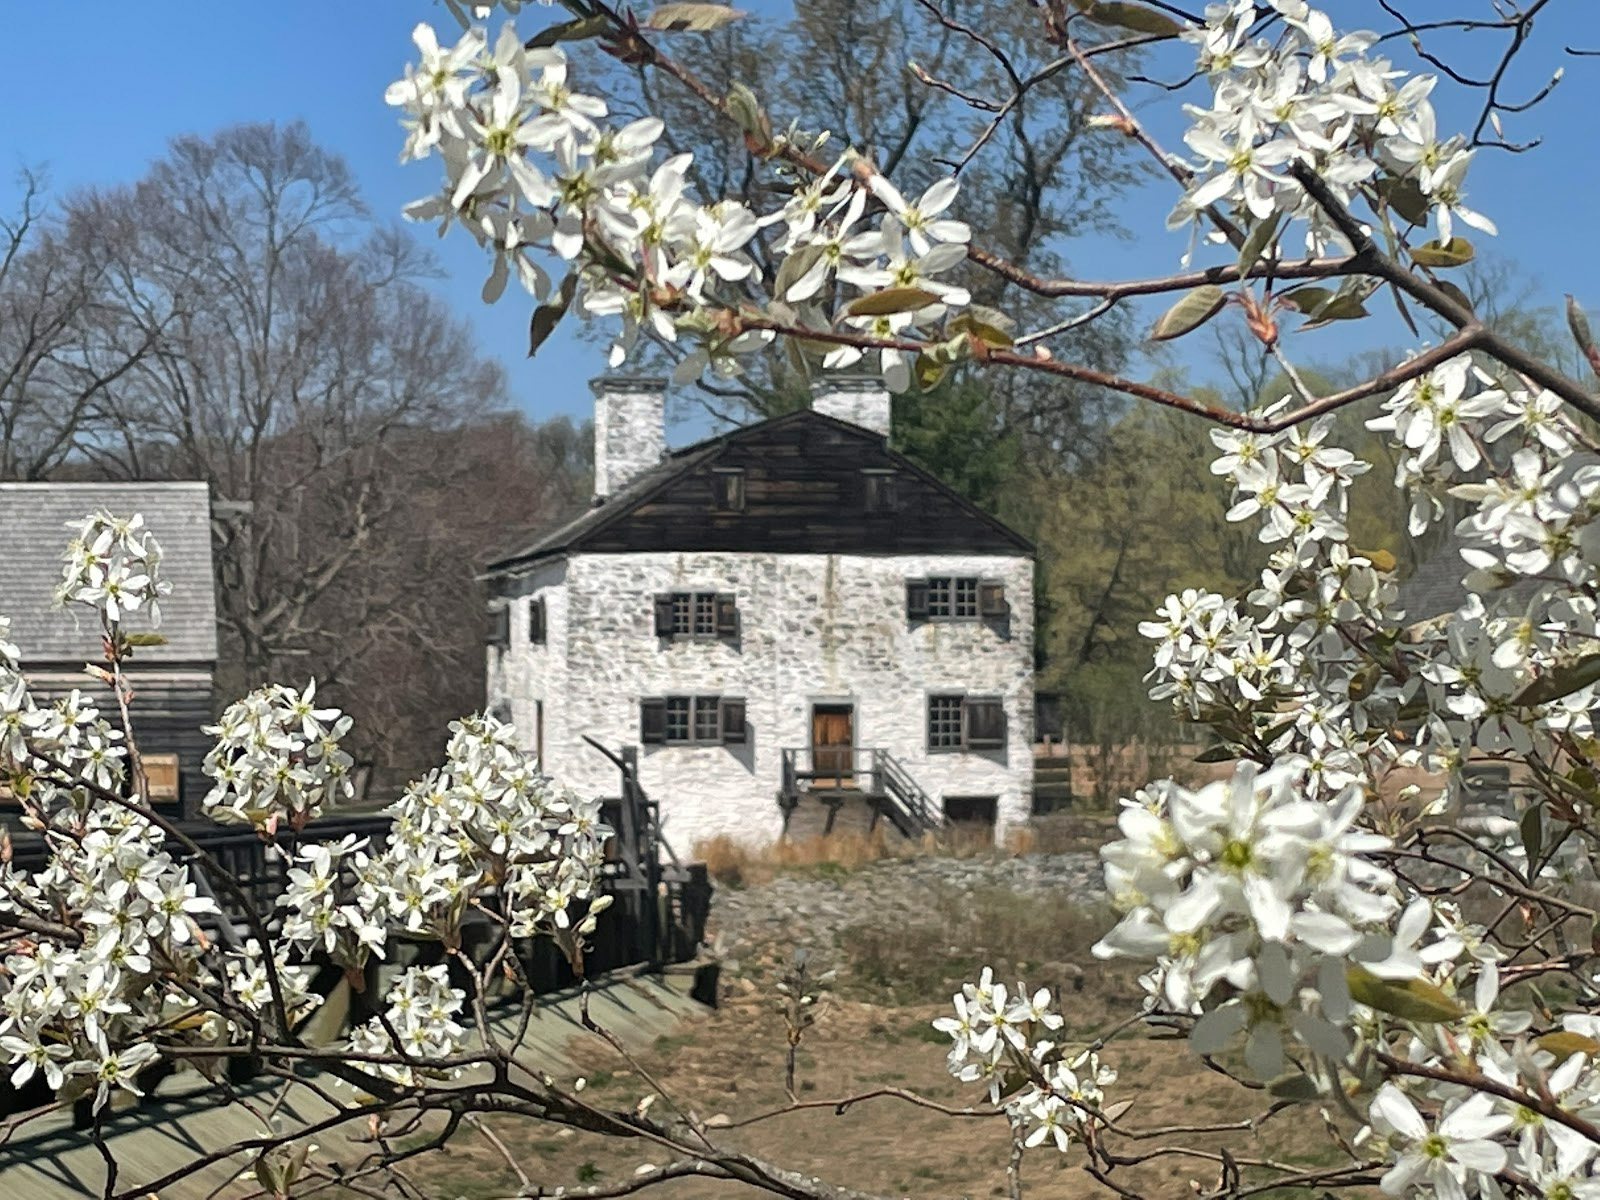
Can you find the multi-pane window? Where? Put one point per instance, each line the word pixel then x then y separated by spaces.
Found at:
pixel 696 615
pixel 691 720
pixel 944 722
pixel 960 722
pixel 954 598
pixel 679 718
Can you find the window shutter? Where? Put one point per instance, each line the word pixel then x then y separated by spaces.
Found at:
pixel 536 621
pixel 499 627
pixel 916 599
pixel 652 722
pixel 986 723
pixel 664 615
pixel 992 598
pixel 733 730
pixel 161 776
pixel 727 616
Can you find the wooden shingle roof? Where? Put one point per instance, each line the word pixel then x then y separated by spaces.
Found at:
pixel 34 520
pixel 803 494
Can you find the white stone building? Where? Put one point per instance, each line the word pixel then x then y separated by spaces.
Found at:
pixel 787 616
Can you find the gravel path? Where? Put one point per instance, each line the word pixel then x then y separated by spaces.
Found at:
pixel 811 909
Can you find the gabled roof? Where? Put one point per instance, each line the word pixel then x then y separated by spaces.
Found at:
pixel 604 527
pixel 34 519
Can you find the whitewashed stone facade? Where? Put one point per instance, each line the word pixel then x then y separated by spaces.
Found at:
pixel 813 629
pixel 826 621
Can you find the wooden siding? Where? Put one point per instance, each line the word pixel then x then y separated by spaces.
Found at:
pixel 167 710
pixel 805 492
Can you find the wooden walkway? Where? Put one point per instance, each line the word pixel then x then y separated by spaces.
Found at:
pixel 50 1160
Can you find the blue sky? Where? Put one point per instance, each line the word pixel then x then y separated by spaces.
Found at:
pixel 95 90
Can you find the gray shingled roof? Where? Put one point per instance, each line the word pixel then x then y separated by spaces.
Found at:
pixel 33 536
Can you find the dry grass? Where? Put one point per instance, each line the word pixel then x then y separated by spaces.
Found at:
pixel 874 1032
pixel 1045 940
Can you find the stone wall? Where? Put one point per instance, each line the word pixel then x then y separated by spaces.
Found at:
pixel 630 433
pixel 860 399
pixel 813 629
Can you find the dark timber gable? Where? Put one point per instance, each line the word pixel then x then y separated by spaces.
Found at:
pixel 807 484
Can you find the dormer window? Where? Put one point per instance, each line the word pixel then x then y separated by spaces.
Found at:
pixel 879 493
pixel 728 488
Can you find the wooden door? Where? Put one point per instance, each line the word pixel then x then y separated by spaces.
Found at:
pixel 832 736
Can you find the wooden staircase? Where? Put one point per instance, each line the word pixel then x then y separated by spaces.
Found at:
pixel 853 790
pixel 1052 780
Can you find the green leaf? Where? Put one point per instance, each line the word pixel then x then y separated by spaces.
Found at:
pixel 1409 999
pixel 927 373
pixel 744 108
pixel 1255 245
pixel 1345 307
pixel 1564 1043
pixel 1532 826
pixel 1220 753
pixel 1188 314
pixel 569 31
pixel 1129 16
pixel 891 300
pixel 1455 293
pixel 1457 252
pixel 690 18
pixel 1406 198
pixel 1306 299
pixel 145 639
pixel 1578 323
pixel 1561 681
pixel 987 325
pixel 548 315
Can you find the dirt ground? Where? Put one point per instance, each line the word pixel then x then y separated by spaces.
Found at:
pixel 728 1071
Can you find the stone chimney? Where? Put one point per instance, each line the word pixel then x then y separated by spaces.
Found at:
pixel 860 399
pixel 630 429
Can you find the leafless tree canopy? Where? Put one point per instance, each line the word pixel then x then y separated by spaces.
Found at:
pixel 238 316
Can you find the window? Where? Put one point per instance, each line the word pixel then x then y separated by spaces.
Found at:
pixel 161 776
pixel 971 810
pixel 728 488
pixel 959 722
pixel 536 621
pixel 944 722
pixel 954 598
pixel 879 494
pixel 499 633
pixel 702 616
pixel 692 721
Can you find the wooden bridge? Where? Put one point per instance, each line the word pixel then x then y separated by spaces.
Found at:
pixel 642 953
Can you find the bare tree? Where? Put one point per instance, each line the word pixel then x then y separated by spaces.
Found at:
pixel 59 347
pixel 290 357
